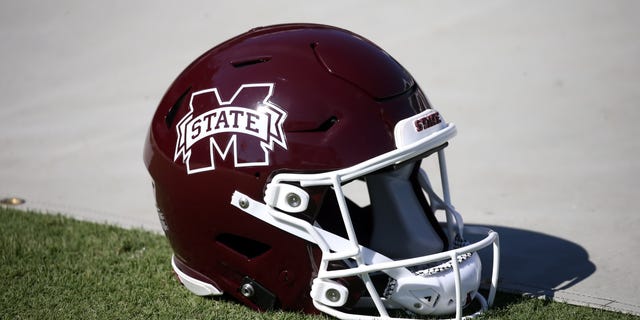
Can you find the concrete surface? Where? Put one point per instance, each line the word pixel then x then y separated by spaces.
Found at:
pixel 545 95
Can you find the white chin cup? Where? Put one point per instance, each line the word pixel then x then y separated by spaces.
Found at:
pixel 432 291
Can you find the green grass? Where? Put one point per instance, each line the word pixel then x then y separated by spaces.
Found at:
pixel 54 267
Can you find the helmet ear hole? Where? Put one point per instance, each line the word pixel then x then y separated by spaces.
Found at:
pixel 249 248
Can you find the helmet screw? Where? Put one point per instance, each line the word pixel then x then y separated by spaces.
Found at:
pixel 244 203
pixel 247 290
pixel 332 295
pixel 293 200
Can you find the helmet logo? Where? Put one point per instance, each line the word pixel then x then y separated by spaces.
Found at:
pixel 247 117
pixel 427 121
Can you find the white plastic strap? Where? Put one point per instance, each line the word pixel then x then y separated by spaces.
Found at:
pixel 286 197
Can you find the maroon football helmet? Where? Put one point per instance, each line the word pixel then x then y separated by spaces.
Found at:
pixel 255 151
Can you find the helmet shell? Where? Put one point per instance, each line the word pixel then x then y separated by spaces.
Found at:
pixel 334 97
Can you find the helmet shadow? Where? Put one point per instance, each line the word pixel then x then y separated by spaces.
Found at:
pixel 537 264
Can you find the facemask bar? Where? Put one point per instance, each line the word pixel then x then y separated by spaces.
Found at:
pixel 327 294
pixel 455 224
pixel 367 261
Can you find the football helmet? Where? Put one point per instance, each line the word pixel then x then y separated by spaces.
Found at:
pixel 255 151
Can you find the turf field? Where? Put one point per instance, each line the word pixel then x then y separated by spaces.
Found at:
pixel 54 267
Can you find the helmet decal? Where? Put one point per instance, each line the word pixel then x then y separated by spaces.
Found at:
pixel 243 116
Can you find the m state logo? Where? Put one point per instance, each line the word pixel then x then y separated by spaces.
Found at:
pixel 246 121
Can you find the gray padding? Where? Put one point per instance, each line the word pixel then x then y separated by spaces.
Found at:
pixel 400 228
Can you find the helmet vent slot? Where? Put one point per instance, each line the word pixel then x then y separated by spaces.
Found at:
pixel 323 127
pixel 171 114
pixel 247 247
pixel 250 61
